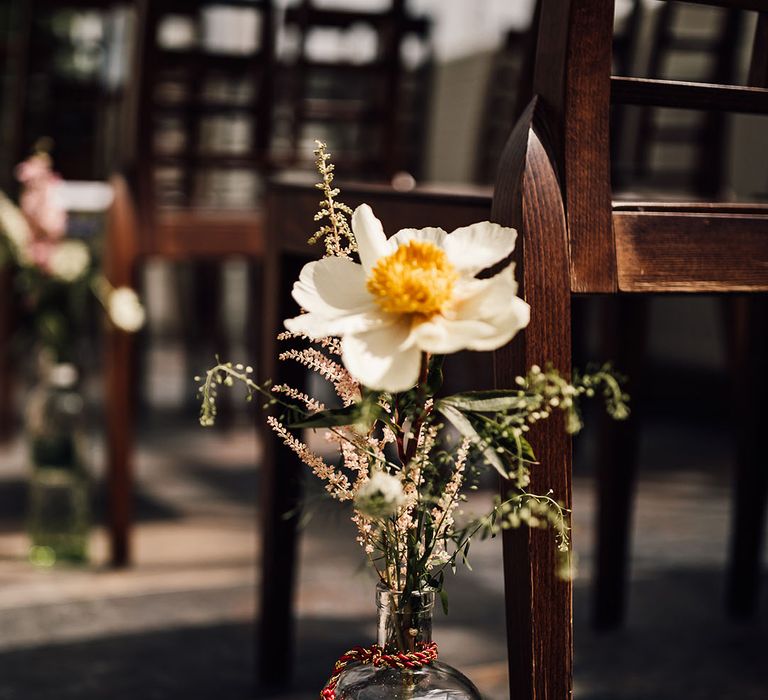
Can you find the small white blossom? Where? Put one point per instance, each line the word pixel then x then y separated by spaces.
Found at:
pixel 380 496
pixel 125 309
pixel 69 260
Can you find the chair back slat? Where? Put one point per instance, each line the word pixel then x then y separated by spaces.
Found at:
pixel 687 95
pixel 756 5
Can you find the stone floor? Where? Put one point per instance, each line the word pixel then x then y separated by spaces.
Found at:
pixel 178 624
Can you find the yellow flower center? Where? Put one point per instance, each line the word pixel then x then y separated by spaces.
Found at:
pixel 416 279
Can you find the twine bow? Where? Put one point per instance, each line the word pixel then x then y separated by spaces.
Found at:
pixel 375 655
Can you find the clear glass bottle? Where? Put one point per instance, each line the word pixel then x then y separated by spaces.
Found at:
pixel 58 510
pixel 404 625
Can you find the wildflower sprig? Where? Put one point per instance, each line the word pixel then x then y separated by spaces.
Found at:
pixel 338 236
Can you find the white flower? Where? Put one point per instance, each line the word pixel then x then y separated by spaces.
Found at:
pixel 125 309
pixel 69 260
pixel 415 292
pixel 380 496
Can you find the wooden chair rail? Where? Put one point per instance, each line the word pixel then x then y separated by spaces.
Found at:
pixel 396 209
pixel 686 95
pixel 693 251
pixel 322 17
pixel 732 208
pixel 193 5
pixel 186 234
pixel 756 5
pixel 199 59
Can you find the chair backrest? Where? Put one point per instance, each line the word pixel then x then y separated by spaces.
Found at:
pixel 638 246
pixel 371 111
pixel 203 103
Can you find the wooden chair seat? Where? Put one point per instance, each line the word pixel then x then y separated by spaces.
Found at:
pixel 206 233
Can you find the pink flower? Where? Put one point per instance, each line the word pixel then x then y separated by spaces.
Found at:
pixel 38 201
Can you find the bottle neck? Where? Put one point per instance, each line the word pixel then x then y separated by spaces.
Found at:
pixel 404 622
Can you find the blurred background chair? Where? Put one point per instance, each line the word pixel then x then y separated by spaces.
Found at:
pixel 358 80
pixel 370 109
pixel 705 45
pixel 202 130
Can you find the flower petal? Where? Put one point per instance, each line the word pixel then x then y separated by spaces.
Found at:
pixel 369 233
pixel 476 247
pixel 487 316
pixel 317 325
pixel 332 287
pixel 381 359
pixel 505 326
pixel 443 336
pixel 484 299
pixel 432 235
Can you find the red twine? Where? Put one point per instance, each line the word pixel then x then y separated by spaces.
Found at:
pixel 375 655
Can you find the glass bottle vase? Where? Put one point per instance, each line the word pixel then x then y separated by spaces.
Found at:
pixel 58 513
pixel 404 625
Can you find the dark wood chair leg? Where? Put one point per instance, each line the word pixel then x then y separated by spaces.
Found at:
pixel 281 490
pixel 625 327
pixel 119 364
pixel 751 477
pixel 7 417
pixel 538 603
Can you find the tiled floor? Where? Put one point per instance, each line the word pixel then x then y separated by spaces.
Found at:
pixel 178 624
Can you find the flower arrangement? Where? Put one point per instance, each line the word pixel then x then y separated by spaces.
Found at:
pixel 380 314
pixel 53 274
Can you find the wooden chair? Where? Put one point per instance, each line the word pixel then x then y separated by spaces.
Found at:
pixel 371 111
pixel 554 185
pixel 177 217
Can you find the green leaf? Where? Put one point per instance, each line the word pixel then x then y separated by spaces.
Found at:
pixel 465 427
pixel 332 417
pixel 485 401
pixel 365 411
pixel 444 600
pixel 527 450
pixel 465 554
